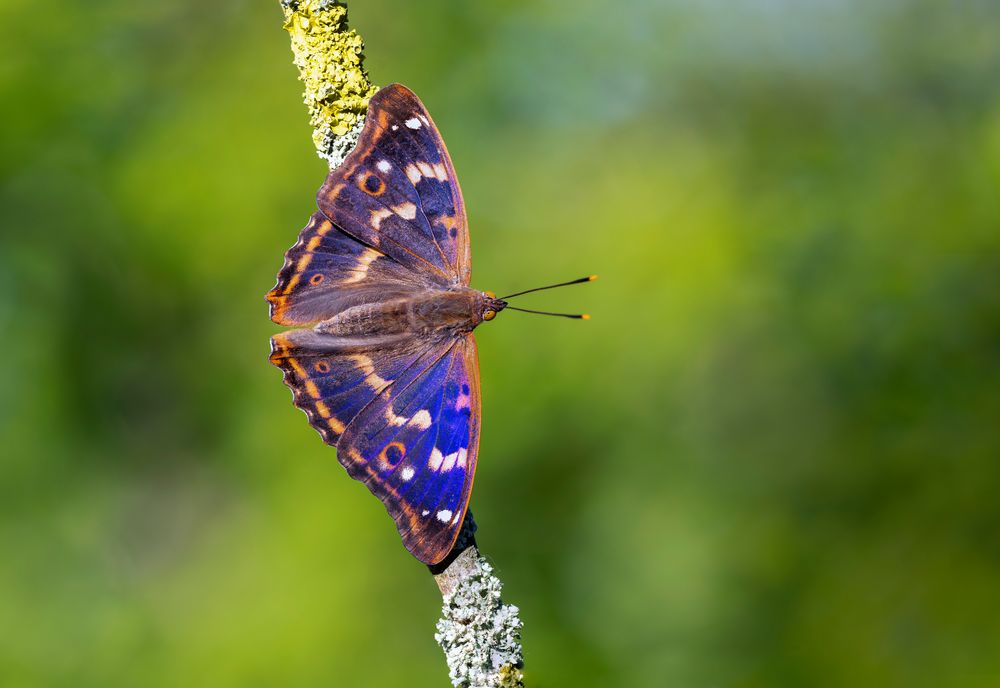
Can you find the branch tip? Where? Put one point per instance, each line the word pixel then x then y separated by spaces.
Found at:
pixel 329 56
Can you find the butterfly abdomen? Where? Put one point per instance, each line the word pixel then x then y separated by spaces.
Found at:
pixel 421 314
pixel 387 317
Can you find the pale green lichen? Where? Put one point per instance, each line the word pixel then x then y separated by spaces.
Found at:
pixel 329 56
pixel 480 635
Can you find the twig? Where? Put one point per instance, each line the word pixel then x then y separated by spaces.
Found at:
pixel 480 635
pixel 329 57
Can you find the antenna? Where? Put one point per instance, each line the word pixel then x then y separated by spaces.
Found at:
pixel 588 278
pixel 575 316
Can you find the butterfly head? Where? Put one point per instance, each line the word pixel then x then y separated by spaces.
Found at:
pixel 490 305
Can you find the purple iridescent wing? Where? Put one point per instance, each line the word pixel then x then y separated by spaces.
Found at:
pixel 328 270
pixel 333 378
pixel 397 191
pixel 415 447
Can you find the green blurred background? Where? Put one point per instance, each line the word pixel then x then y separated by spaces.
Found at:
pixel 771 458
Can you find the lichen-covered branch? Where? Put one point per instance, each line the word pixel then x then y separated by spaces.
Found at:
pixel 480 635
pixel 329 56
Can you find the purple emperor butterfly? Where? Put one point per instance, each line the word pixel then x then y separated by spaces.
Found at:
pixel 390 374
pixel 387 370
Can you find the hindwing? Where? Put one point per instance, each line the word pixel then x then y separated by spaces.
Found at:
pixel 333 378
pixel 415 446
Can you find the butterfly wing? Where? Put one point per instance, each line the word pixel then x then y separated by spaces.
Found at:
pixel 397 191
pixel 415 446
pixel 328 270
pixel 333 378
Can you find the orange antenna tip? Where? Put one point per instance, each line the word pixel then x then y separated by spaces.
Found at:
pixel 585 316
pixel 592 278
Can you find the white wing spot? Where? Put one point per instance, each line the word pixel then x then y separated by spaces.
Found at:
pixel 377 217
pixel 407 211
pixel 437 458
pixel 384 166
pixel 440 172
pixel 444 515
pixel 424 512
pixel 425 169
pixel 413 174
pixel 422 419
pixel 455 459
pixel 413 123
pixel 393 419
pixel 395 127
pixel 407 473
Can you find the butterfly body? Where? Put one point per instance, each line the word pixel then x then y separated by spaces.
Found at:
pixel 384 363
pixel 445 313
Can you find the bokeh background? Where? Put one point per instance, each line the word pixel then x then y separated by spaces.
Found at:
pixel 770 459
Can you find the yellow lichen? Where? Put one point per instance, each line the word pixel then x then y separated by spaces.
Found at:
pixel 329 57
pixel 511 676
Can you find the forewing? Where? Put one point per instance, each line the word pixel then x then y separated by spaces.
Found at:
pixel 328 270
pixel 397 191
pixel 333 378
pixel 415 447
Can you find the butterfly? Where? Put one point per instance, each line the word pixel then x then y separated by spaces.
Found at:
pixel 386 367
pixel 387 370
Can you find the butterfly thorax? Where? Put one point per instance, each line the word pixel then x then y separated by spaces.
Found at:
pixel 452 311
